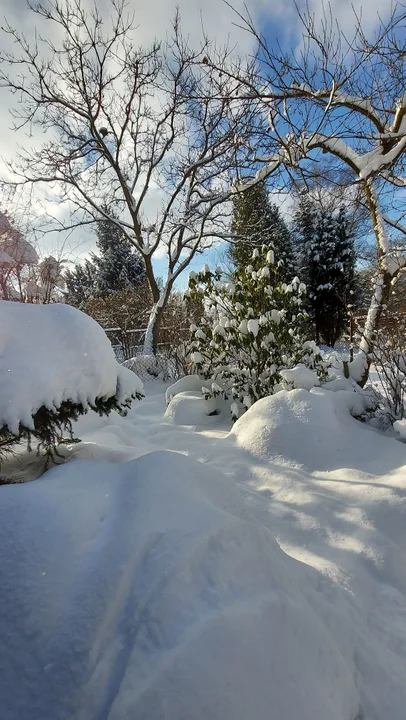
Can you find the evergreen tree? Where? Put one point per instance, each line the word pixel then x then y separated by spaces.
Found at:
pixel 257 222
pixel 80 284
pixel 327 266
pixel 119 267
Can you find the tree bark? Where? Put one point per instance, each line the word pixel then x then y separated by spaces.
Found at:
pixel 389 269
pixel 3 286
pixel 155 320
pixel 155 317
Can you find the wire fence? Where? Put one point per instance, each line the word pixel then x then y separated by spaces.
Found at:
pixel 169 363
pixel 126 343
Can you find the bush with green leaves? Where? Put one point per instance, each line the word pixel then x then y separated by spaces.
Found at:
pixel 251 330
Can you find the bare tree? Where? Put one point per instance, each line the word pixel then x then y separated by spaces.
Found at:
pixel 132 131
pixel 17 258
pixel 389 359
pixel 44 282
pixel 344 97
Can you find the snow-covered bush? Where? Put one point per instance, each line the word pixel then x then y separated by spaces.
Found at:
pixel 56 363
pixel 175 360
pixel 252 329
pixel 389 362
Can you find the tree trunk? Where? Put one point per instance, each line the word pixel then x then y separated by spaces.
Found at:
pixel 379 301
pixel 155 321
pixel 152 331
pixel 3 286
pixel 155 317
pixel 389 268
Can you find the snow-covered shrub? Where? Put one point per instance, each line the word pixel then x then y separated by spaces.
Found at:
pixel 170 363
pixel 175 360
pixel 56 363
pixel 188 383
pixel 252 329
pixel 389 362
pixel 299 378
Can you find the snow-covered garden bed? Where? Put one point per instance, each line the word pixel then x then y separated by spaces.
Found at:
pixel 264 575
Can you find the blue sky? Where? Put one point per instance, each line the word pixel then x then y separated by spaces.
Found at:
pixel 277 20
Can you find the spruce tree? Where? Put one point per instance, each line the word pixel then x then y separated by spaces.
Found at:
pixel 80 284
pixel 256 223
pixel 327 266
pixel 118 267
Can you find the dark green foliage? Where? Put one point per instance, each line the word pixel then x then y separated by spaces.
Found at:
pixel 81 284
pixel 327 267
pixel 258 223
pixel 55 427
pixel 117 268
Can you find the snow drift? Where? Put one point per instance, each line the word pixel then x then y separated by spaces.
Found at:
pixel 143 590
pixel 315 430
pixel 53 353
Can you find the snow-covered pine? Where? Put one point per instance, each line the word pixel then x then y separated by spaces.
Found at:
pixel 119 267
pixel 80 283
pixel 327 265
pixel 250 332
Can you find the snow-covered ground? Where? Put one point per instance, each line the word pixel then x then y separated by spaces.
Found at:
pixel 261 576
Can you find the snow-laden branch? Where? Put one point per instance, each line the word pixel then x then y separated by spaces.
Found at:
pixel 399 115
pixel 374 162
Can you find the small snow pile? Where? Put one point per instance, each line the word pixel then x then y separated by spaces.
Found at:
pixel 54 353
pixel 190 408
pixel 358 366
pixel 400 427
pixel 143 590
pixel 145 366
pixel 189 383
pixel 300 378
pixel 313 429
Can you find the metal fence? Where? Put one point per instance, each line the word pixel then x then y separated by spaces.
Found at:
pixel 170 362
pixel 126 343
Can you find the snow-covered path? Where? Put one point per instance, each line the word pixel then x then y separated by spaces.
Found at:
pixel 165 595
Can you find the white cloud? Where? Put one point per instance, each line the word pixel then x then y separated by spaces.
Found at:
pixel 346 11
pixel 153 20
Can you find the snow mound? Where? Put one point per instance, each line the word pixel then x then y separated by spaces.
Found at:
pixel 300 377
pixel 142 590
pixel 53 353
pixel 143 365
pixel 316 430
pixel 400 427
pixel 190 408
pixel 189 383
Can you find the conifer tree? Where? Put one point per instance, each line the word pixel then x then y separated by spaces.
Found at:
pixel 80 284
pixel 327 266
pixel 118 267
pixel 256 223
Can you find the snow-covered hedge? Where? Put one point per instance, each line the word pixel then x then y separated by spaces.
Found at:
pixel 55 364
pixel 252 330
